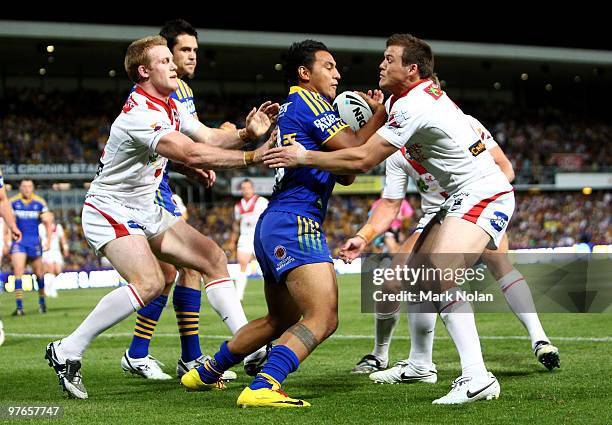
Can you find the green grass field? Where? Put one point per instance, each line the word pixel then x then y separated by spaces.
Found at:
pixel 580 392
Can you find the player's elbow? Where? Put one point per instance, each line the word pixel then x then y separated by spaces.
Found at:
pixel 364 164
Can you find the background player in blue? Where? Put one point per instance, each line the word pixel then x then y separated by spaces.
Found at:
pixel 300 282
pixel 30 209
pixel 6 212
pixel 183 43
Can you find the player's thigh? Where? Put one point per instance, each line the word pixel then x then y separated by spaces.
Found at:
pixel 497 260
pixel 131 256
pixel 184 246
pixel 314 289
pixel 457 235
pixel 18 261
pixel 282 308
pixel 37 265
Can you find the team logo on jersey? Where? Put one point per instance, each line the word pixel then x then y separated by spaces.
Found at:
pixel 456 204
pixel 130 103
pixel 477 148
pixel 500 220
pixel 280 252
pixel 434 91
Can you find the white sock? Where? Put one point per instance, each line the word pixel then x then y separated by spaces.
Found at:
pixel 224 300
pixel 458 317
pixel 241 283
pixel 112 309
pixel 384 327
pixel 517 293
pixel 422 324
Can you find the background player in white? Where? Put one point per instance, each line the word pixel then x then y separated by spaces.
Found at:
pixel 246 213
pixel 398 169
pixel 439 137
pixel 53 259
pixel 120 218
pixel 8 224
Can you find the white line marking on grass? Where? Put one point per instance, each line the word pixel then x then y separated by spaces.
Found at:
pixel 348 337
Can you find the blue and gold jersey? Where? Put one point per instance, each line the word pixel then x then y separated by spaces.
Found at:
pixel 163 197
pixel 27 214
pixel 308 118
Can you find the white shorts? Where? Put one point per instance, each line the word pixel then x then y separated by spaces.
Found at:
pixel 245 244
pixel 53 257
pixel 104 220
pixel 486 206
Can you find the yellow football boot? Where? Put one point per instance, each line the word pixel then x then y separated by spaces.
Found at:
pixel 268 397
pixel 192 382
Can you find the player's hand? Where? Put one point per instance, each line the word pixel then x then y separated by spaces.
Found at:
pixel 374 99
pixel 15 233
pixel 259 120
pixel 207 177
pixel 289 156
pixel 352 249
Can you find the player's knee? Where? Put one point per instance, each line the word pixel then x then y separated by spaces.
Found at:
pixel 150 284
pixel 215 264
pixel 331 324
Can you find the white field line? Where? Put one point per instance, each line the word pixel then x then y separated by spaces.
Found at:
pixel 347 337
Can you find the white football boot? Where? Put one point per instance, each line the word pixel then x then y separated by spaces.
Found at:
pixel 467 390
pixel 404 372
pixel 147 367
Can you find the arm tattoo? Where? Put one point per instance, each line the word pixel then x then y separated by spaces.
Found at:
pixel 305 335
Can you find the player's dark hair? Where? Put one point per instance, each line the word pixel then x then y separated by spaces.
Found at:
pixel 172 29
pixel 300 53
pixel 415 51
pixel 246 181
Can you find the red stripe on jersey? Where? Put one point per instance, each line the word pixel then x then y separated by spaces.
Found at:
pixel 136 295
pixel 167 106
pixel 120 229
pixel 474 213
pixel 150 105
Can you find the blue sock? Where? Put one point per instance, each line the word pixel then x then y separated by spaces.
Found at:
pixel 221 361
pixel 41 289
pixel 18 294
pixel 187 308
pixel 281 362
pixel 146 320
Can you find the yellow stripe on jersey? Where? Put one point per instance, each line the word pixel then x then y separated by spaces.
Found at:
pixel 310 105
pixel 300 233
pixel 318 237
pixel 181 88
pixel 314 101
pixel 323 102
pixel 334 130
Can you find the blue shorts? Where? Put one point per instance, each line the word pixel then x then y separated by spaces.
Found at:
pixel 284 241
pixel 163 197
pixel 32 249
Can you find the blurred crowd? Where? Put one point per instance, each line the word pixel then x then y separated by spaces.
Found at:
pixel 73 127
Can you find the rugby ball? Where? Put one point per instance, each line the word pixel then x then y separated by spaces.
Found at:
pixel 352 109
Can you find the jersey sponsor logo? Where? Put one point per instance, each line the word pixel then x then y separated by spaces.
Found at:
pixel 456 204
pixel 283 108
pixel 130 103
pixel 477 148
pixel 326 121
pixel 416 152
pixel 500 221
pixel 434 91
pixel 27 214
pixel 397 118
pixel 280 252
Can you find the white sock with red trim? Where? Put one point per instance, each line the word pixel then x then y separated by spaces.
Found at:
pixel 224 300
pixel 517 293
pixel 458 317
pixel 112 309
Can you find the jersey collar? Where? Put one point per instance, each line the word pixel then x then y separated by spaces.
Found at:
pixel 167 106
pixel 413 85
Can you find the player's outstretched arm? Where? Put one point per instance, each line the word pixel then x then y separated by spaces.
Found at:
pixel 178 147
pixel 258 122
pixel 378 223
pixel 344 161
